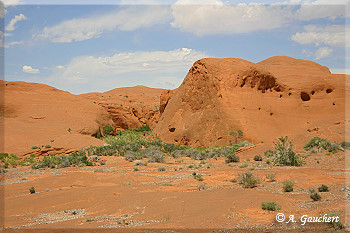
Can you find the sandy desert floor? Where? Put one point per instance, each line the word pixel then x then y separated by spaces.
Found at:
pixel 115 197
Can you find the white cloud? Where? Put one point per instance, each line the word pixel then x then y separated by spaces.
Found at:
pixel 12 43
pixel 218 18
pixel 323 52
pixel 12 2
pixel 59 67
pixel 156 69
pixel 16 19
pixel 318 10
pixel 333 35
pixel 128 19
pixel 30 70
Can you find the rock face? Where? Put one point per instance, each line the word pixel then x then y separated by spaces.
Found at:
pixel 37 114
pixel 129 107
pixel 280 96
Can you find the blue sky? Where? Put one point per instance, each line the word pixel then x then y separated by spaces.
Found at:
pixel 87 47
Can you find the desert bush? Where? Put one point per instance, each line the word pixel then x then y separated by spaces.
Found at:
pixel 248 180
pixel 32 190
pixel 213 154
pixel 101 150
pixel 269 153
pixel 345 145
pixel 314 195
pixel 270 206
pixel 75 159
pixel 136 169
pixel 284 154
pixel 334 224
pixel 323 188
pixel 107 130
pixel 132 155
pixel 271 176
pixel 233 180
pixel 177 153
pixel 139 163
pixel 257 158
pixel 237 135
pixel 198 177
pixel 288 185
pixel 143 128
pixel 169 148
pixel 268 161
pixel 322 144
pixel 154 154
pixel 161 169
pixel 231 158
pixel 48 146
pixel 243 165
pixel 201 187
pixel 35 147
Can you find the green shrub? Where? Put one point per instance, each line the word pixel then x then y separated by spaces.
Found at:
pixel 248 180
pixel 271 176
pixel 47 146
pixel 257 158
pixel 154 154
pixel 314 195
pixel 334 224
pixel 322 144
pixel 198 177
pixel 75 159
pixel 107 150
pixel 161 169
pixel 284 154
pixel 108 130
pixel 237 135
pixel 323 188
pixel 243 165
pixel 35 147
pixel 345 145
pixel 268 161
pixel 131 156
pixel 143 128
pixel 231 158
pixel 136 169
pixel 269 153
pixel 270 206
pixel 233 180
pixel 32 190
pixel 288 185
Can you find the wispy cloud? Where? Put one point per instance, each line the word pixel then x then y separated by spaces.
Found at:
pixel 333 35
pixel 323 52
pixel 127 19
pixel 156 68
pixel 16 19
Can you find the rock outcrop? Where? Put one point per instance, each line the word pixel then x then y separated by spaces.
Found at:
pixel 129 107
pixel 276 97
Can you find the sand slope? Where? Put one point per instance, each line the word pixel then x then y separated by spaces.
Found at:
pixel 35 114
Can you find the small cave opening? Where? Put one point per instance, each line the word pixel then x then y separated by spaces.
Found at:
pixel 172 129
pixel 289 94
pixel 280 96
pixel 333 104
pixel 329 90
pixel 271 113
pixel 259 108
pixel 304 96
pixel 312 92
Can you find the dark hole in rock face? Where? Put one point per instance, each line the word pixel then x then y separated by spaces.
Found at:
pixel 172 129
pixel 271 113
pixel 289 94
pixel 329 90
pixel 333 104
pixel 312 92
pixel 280 96
pixel 259 108
pixel 304 96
